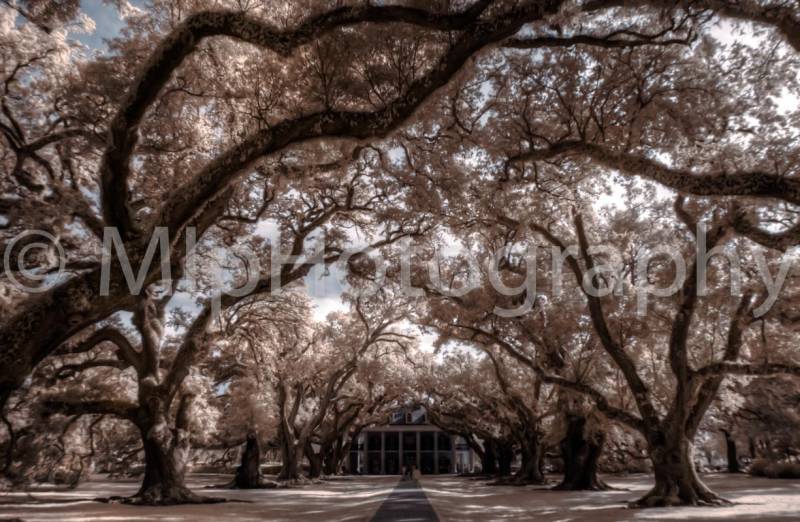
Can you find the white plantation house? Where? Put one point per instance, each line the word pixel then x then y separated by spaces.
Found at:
pixel 409 440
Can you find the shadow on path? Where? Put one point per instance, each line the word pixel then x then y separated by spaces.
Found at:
pixel 406 503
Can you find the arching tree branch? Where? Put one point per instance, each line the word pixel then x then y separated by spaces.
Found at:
pixel 183 41
pixel 733 368
pixel 755 183
pixel 68 406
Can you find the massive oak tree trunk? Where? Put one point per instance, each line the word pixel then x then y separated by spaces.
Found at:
pixel 166 450
pixel 505 456
pixel 11 443
pixel 677 482
pixel 292 441
pixel 314 462
pixel 330 459
pixel 581 453
pixel 334 455
pixel 489 458
pixel 731 452
pixel 248 474
pixel 530 471
pixel 314 465
pixel 163 482
pixel 472 442
pixel 344 454
pixel 292 459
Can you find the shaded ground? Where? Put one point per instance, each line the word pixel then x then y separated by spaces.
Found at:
pixel 760 499
pixel 450 498
pixel 346 498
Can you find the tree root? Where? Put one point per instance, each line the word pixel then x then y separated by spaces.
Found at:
pixel 595 485
pixel 518 481
pixel 657 498
pixel 299 481
pixel 155 497
pixel 262 484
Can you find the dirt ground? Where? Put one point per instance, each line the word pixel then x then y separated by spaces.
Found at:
pixel 452 499
pixel 456 498
pixel 346 498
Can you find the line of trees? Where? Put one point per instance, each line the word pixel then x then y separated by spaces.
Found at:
pixel 491 123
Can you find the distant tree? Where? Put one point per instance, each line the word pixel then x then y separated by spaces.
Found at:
pixel 768 418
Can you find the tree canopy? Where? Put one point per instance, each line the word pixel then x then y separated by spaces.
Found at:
pixel 590 205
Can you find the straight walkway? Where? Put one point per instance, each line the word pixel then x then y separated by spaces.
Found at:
pixel 406 503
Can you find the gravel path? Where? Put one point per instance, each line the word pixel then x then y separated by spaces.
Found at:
pixel 407 503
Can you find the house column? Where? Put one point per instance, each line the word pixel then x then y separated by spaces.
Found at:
pixel 400 450
pixel 452 454
pixel 471 460
pixel 436 452
pixel 383 453
pixel 365 454
pixel 418 450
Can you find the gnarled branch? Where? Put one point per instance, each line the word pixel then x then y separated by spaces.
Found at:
pixel 756 183
pixel 183 40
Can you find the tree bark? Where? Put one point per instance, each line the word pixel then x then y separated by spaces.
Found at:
pixel 314 465
pixel 333 456
pixel 330 460
pixel 163 482
pixel 166 451
pixel 314 462
pixel 489 458
pixel 343 453
pixel 291 447
pixel 677 483
pixel 248 474
pixel 580 454
pixel 291 457
pixel 731 452
pixel 531 472
pixel 11 443
pixel 505 456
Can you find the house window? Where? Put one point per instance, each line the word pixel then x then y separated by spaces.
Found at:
pixel 374 447
pixel 374 441
pixel 409 441
pixel 426 440
pixel 427 455
pixel 392 441
pixel 391 448
pixel 409 449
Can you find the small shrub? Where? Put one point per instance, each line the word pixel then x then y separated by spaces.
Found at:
pixel 758 468
pixel 766 468
pixel 786 470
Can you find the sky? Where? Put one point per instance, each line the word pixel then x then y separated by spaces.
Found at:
pixel 108 23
